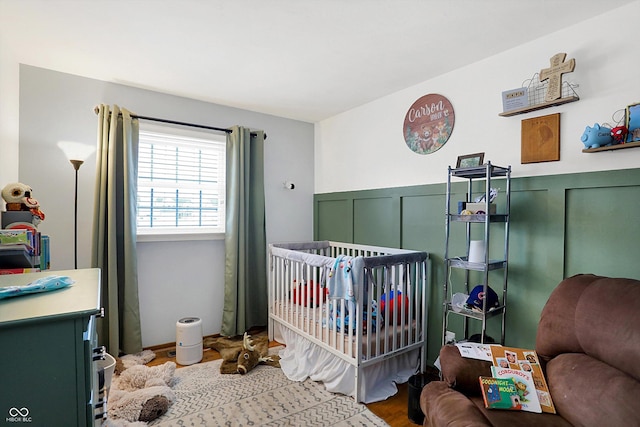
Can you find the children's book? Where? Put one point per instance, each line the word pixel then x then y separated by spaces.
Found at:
pixel 525 360
pixel 16 237
pixel 475 350
pixel 4 271
pixel 523 381
pixel 500 393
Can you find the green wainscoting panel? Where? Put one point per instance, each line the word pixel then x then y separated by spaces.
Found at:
pixel 535 261
pixel 421 224
pixel 603 233
pixel 381 214
pixel 423 229
pixel 561 225
pixel 334 219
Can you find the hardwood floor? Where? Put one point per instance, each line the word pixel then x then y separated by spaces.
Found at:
pixel 393 410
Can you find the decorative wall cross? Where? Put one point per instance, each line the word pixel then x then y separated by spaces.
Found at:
pixel 554 74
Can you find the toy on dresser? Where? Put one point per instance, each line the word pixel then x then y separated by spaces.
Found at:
pixel 23 211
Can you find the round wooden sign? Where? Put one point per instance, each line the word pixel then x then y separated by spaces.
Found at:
pixel 428 124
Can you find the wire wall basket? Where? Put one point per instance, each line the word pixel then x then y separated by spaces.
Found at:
pixel 538 90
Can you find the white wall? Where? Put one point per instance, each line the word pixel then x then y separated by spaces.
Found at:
pixel 364 148
pixel 176 279
pixel 359 149
pixel 9 123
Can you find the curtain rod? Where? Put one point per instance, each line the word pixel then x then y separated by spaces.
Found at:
pixel 174 122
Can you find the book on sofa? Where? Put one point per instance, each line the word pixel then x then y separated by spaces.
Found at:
pixel 475 350
pixel 525 360
pixel 525 387
pixel 500 393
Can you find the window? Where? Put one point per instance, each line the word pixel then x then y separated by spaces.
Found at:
pixel 181 181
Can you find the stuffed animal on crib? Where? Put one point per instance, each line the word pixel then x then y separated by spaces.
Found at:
pixel 18 197
pixel 596 136
pixel 314 292
pixel 241 355
pixel 342 323
pixel 394 302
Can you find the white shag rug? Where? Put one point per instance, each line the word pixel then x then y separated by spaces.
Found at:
pixel 263 397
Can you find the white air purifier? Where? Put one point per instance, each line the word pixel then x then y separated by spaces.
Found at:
pixel 188 341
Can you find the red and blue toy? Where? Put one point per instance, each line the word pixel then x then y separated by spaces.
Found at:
pixel 308 293
pixel 395 303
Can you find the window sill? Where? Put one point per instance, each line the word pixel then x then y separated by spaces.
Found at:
pixel 143 238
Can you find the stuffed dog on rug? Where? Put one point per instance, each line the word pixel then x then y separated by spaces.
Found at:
pixel 241 355
pixel 139 392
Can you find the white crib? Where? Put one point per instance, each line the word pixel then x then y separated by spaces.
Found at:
pixel 328 337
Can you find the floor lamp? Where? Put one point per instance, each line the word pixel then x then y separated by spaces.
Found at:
pixel 76 165
pixel 76 153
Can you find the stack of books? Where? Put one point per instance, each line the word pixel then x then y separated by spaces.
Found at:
pixel 23 251
pixel 517 381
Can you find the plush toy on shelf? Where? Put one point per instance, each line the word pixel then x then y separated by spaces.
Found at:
pixel 597 136
pixel 619 134
pixel 18 198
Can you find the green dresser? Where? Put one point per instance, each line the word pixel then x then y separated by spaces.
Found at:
pixel 47 345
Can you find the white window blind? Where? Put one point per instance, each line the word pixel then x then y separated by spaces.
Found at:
pixel 181 181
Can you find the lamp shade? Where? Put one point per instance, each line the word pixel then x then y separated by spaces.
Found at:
pixel 76 150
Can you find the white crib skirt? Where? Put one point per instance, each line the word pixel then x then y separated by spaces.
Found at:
pixel 302 359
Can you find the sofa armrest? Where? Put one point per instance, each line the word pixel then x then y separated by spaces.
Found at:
pixel 461 373
pixel 443 406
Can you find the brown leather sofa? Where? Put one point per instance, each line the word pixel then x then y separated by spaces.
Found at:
pixel 588 342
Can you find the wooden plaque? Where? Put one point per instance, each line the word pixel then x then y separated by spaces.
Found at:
pixel 540 139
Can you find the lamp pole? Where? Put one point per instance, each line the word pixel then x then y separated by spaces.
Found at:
pixel 76 165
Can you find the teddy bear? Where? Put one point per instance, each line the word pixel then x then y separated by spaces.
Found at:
pixel 18 197
pixel 140 394
pixel 241 354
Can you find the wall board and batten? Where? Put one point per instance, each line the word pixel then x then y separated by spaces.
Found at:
pixel 560 226
pixel 569 216
pixel 364 148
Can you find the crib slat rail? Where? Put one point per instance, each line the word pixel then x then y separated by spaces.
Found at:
pixel 386 317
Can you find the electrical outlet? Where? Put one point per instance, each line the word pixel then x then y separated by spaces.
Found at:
pixel 450 337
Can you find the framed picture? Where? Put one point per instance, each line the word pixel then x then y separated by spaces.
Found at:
pixel 470 160
pixel 540 139
pixel 633 123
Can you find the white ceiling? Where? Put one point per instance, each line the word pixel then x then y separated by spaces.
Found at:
pixel 300 59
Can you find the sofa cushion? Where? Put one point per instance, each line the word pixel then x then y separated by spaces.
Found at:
pixel 443 406
pixel 588 392
pixel 556 331
pixel 606 323
pixel 500 417
pixel 462 373
pixel 595 315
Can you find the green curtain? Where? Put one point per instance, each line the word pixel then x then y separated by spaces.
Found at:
pixel 245 295
pixel 114 230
